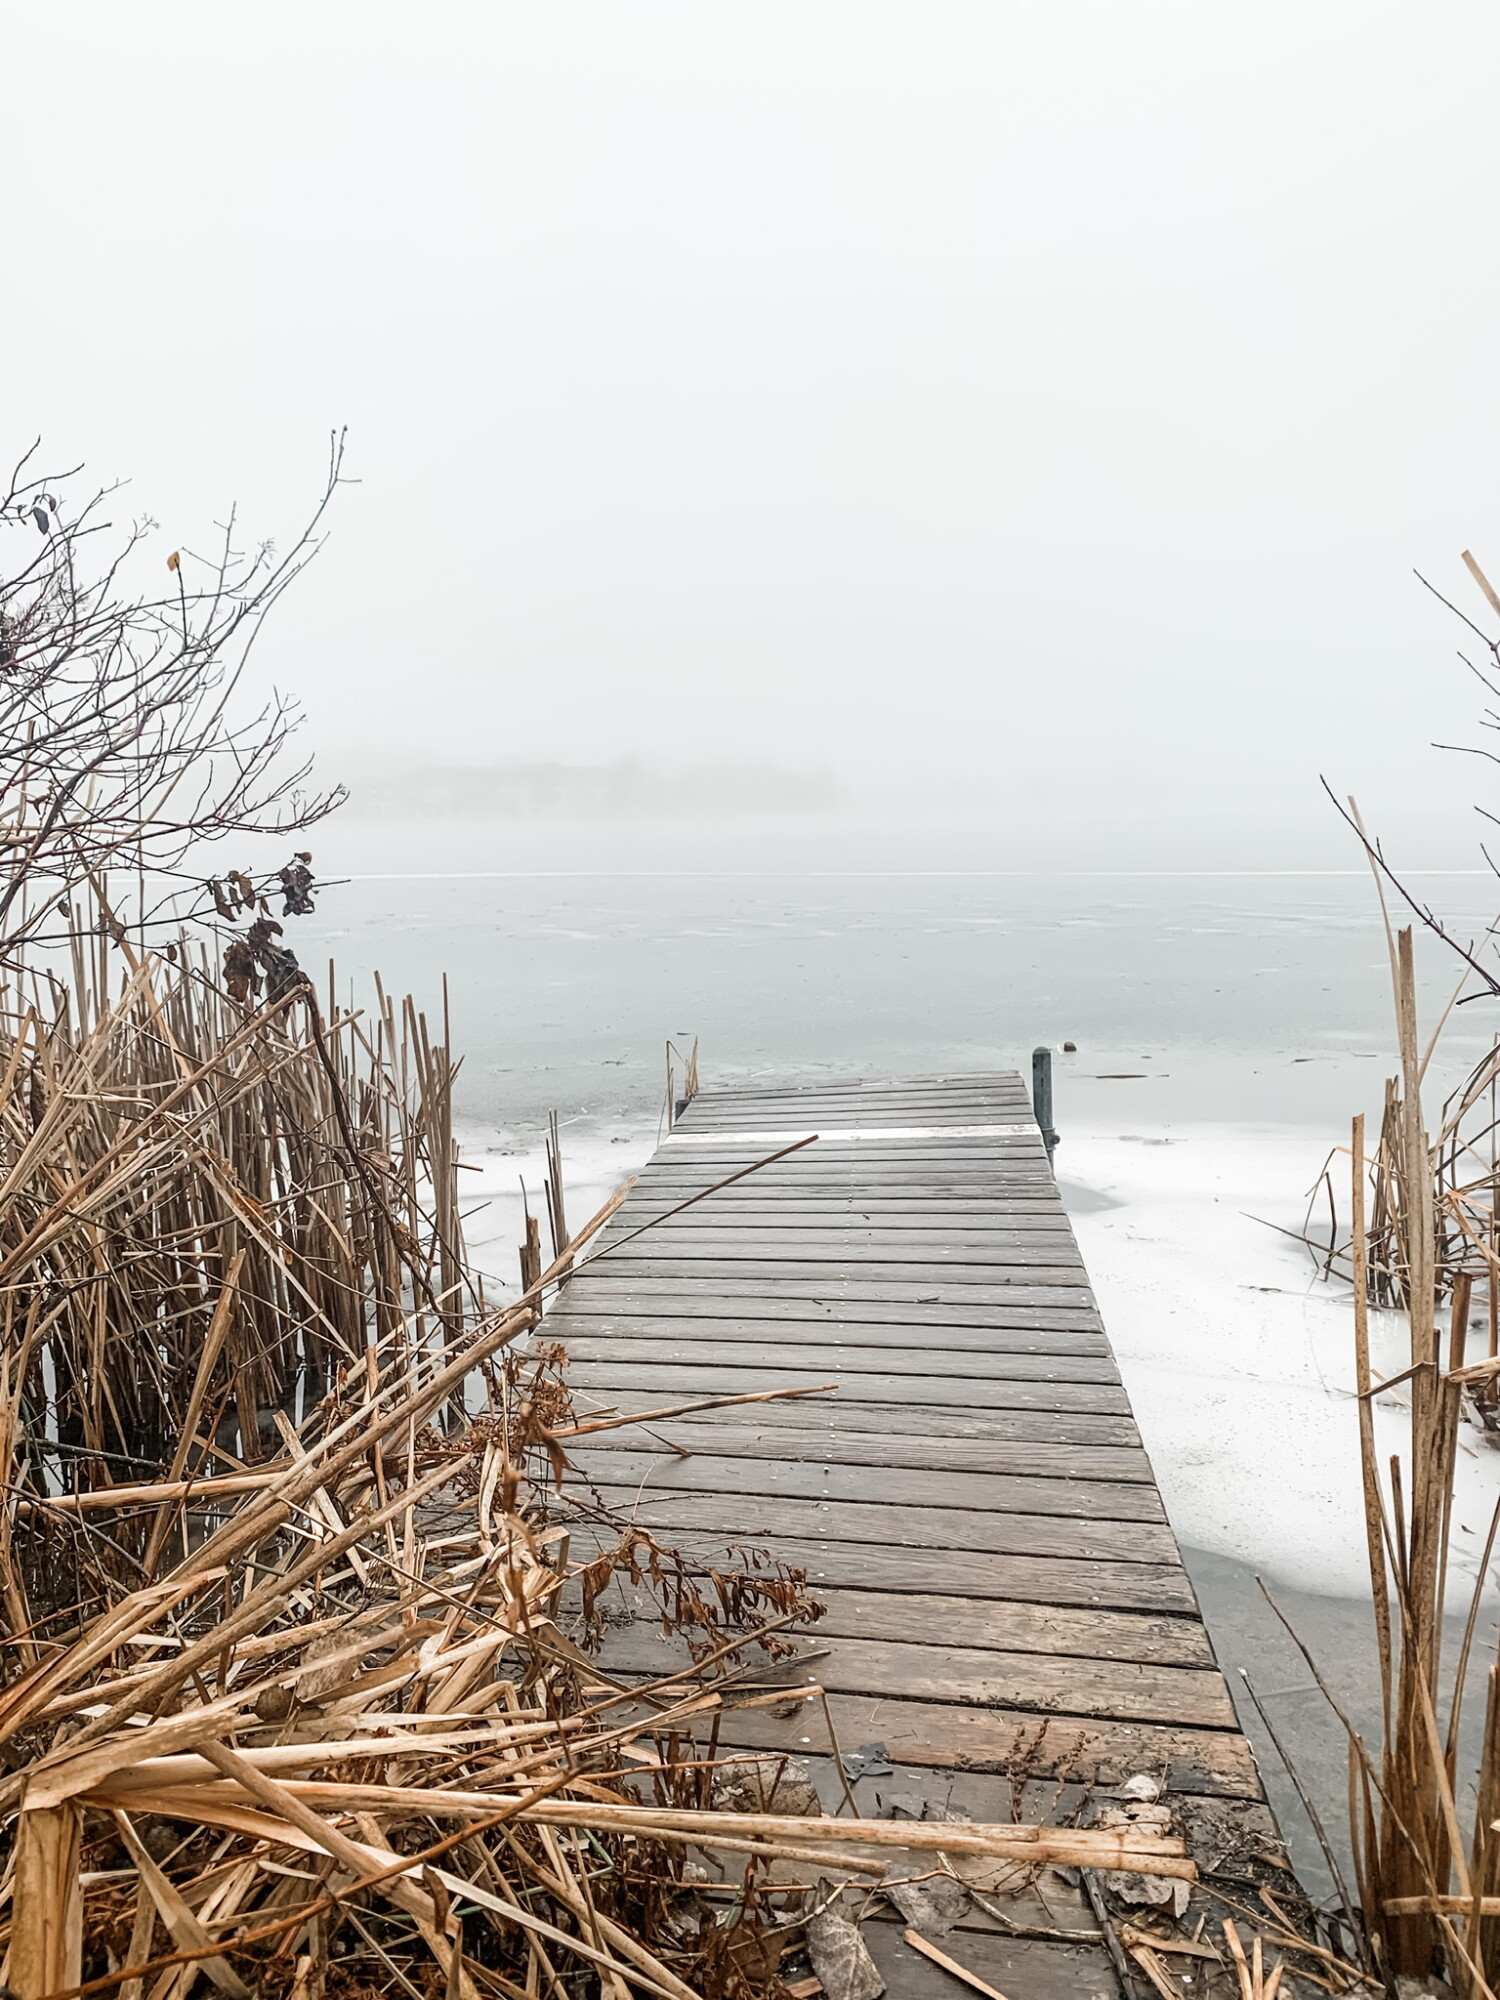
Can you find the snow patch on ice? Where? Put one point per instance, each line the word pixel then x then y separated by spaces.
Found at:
pixel 1238 1357
pixel 497 1163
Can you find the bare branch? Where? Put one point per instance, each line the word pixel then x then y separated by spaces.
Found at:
pixel 1421 911
pixel 121 744
pixel 1454 609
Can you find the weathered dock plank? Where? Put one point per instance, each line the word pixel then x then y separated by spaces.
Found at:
pixel 698 1301
pixel 915 1450
pixel 820 1356
pixel 692 1379
pixel 1060 1343
pixel 981 1492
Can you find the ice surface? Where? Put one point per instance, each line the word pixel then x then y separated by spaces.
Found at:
pixel 498 1163
pixel 1237 1356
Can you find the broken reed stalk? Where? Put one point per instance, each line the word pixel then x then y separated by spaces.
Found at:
pixel 1374 1526
pixel 556 1216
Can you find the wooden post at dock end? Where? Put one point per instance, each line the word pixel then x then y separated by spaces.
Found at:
pixel 1041 1097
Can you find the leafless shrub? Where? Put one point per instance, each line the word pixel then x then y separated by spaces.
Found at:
pixel 122 744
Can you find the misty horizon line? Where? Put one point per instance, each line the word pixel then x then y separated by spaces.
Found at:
pixel 622 787
pixel 634 787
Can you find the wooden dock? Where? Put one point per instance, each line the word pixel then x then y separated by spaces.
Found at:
pixel 1008 1619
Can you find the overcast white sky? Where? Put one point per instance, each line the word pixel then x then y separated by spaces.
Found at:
pixel 886 385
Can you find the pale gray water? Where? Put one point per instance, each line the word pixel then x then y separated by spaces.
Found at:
pixel 575 951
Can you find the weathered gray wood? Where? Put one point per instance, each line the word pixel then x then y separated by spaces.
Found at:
pixel 823 1416
pixel 1023 1201
pixel 1063 1305
pixel 685 1381
pixel 814 1157
pixel 1000 1187
pixel 1004 1213
pixel 825 1161
pixel 1016 1628
pixel 701 1231
pixel 985 1624
pixel 1094 1751
pixel 1030 1284
pixel 972 1129
pixel 1001 1134
pixel 1017 1203
pixel 1117 1690
pixel 902 1212
pixel 851 1357
pixel 1026 1579
pixel 904 1333
pixel 983 1492
pixel 1050 1684
pixel 997 1084
pixel 869 1107
pixel 692 1301
pixel 893 1117
pixel 766 1163
pixel 906 1124
pixel 1024 1968
pixel 941 1091
pixel 843 1411
pixel 761 1517
pixel 672 1244
pixel 887 1183
pixel 969 1179
pixel 814 1269
pixel 873 1090
pixel 745 1433
pixel 916 1159
pixel 813 1152
pixel 873 1086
